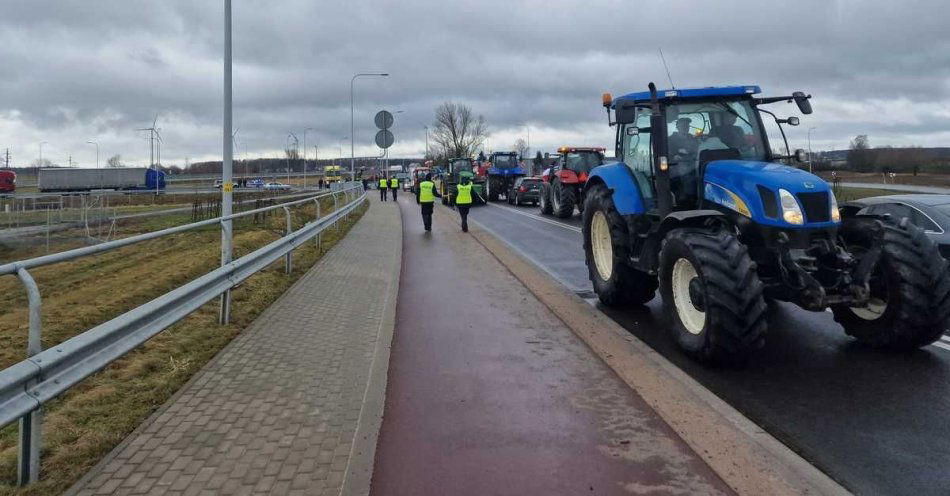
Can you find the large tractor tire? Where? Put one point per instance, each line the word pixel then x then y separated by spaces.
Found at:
pixel 606 251
pixel 545 200
pixel 712 296
pixel 910 288
pixel 492 188
pixel 562 200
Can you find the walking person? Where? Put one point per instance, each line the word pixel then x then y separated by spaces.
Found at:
pixel 382 188
pixel 463 199
pixel 394 186
pixel 425 197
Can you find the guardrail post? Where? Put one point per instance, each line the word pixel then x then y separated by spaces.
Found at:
pixel 289 257
pixel 31 425
pixel 320 234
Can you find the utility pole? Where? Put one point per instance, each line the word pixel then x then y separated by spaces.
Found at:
pixel 305 156
pixel 226 164
pixel 7 158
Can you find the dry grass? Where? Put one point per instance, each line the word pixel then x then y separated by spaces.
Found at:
pixel 87 422
pixel 843 194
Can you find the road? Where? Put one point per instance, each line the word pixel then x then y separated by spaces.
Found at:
pixel 876 422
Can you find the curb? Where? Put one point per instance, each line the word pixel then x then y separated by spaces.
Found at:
pixel 750 460
pixel 359 466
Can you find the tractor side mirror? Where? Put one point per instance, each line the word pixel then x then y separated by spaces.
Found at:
pixel 801 100
pixel 625 113
pixel 801 156
pixel 792 121
pixel 633 131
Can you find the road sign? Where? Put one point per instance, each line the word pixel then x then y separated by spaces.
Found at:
pixel 384 138
pixel 384 120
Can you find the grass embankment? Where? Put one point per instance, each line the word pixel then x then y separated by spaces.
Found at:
pixel 84 424
pixel 843 194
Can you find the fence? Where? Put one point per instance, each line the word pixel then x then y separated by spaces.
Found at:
pixel 27 385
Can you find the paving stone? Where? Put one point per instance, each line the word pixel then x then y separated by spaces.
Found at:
pixel 277 409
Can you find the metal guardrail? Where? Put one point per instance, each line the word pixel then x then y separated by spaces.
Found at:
pixel 26 386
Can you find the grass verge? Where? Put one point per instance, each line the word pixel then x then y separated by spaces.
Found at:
pixel 85 424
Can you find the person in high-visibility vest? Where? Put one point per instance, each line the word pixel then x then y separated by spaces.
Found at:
pixel 394 186
pixel 426 194
pixel 463 199
pixel 382 188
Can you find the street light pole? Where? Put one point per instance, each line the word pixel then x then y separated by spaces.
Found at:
pixel 226 164
pixel 809 148
pixel 296 144
pixel 305 156
pixel 41 153
pixel 353 120
pixel 97 151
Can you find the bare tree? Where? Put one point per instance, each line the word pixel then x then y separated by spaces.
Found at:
pixel 521 146
pixel 114 161
pixel 859 156
pixel 42 163
pixel 456 131
pixel 292 153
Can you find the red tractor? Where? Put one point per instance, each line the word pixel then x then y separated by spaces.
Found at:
pixel 562 184
pixel 7 181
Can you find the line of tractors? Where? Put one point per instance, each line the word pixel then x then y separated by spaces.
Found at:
pixel 698 207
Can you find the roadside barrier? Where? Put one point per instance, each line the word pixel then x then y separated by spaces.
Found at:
pixel 45 374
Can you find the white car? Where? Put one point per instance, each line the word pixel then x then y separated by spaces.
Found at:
pixel 277 186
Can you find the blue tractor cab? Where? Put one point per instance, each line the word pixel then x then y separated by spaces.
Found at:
pixel 699 206
pixel 502 174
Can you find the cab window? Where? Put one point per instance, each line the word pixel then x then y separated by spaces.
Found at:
pixel 638 156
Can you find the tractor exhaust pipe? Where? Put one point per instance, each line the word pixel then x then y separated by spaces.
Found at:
pixel 660 165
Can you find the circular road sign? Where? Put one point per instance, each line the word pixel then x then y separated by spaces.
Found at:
pixel 384 138
pixel 384 120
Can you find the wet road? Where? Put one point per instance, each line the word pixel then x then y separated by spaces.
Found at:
pixel 489 393
pixel 876 422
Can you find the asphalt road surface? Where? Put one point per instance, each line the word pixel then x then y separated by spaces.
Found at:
pixel 876 422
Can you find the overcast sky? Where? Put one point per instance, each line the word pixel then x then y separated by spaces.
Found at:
pixel 73 71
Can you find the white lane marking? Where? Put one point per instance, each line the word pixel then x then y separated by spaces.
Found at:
pixel 942 344
pixel 538 218
pixel 945 338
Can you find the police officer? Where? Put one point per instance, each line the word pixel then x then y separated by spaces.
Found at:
pixel 463 199
pixel 425 197
pixel 382 188
pixel 394 186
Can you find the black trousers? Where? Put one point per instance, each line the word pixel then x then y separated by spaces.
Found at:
pixel 394 192
pixel 463 211
pixel 382 194
pixel 427 215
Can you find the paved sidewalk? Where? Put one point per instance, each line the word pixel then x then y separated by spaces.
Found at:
pixel 281 409
pixel 489 392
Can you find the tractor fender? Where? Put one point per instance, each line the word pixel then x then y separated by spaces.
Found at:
pixel 622 184
pixel 688 218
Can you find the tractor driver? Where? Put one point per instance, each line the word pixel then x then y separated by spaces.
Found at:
pixel 682 144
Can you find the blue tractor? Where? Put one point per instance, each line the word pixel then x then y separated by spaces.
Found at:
pixel 502 174
pixel 700 207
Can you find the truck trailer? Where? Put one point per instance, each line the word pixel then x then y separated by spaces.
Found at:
pixel 75 179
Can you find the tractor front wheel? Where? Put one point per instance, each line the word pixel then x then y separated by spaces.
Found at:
pixel 910 288
pixel 606 251
pixel 545 200
pixel 712 295
pixel 562 199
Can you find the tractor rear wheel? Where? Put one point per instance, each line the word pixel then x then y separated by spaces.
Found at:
pixel 607 249
pixel 712 295
pixel 545 200
pixel 562 199
pixel 910 288
pixel 493 189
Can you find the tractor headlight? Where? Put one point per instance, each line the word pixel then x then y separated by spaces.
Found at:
pixel 791 211
pixel 835 214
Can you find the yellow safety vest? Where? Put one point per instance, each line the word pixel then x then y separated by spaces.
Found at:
pixel 394 183
pixel 425 192
pixel 464 196
pixel 382 183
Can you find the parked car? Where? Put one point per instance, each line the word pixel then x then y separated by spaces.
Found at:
pixel 525 190
pixel 217 183
pixel 277 186
pixel 930 212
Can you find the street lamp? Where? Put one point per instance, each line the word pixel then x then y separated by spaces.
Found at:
pixel 341 146
pixel 296 144
pixel 305 156
pixel 97 151
pixel 352 120
pixel 41 153
pixel 809 148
